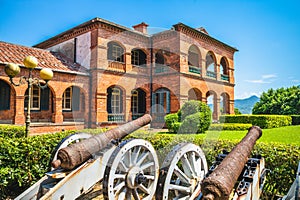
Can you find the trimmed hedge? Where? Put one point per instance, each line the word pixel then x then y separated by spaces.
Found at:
pixel 263 121
pixel 295 119
pixel 230 127
pixel 24 161
pixel 281 159
pixel 196 123
pixel 12 131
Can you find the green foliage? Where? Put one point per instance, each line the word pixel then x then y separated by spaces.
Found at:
pixel 237 111
pixel 170 119
pixel 193 106
pixel 230 126
pixel 198 122
pixel 295 119
pixel 194 115
pixel 283 101
pixel 24 160
pixel 281 159
pixel 12 131
pixel 263 121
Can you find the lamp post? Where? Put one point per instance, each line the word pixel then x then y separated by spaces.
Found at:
pixel 30 62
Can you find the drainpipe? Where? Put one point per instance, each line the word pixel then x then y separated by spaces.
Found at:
pixel 151 79
pixel 90 99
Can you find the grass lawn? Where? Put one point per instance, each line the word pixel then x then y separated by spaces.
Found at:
pixel 282 135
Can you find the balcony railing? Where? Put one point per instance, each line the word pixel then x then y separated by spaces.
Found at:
pixel 211 74
pixel 116 66
pixel 161 68
pixel 115 117
pixel 136 115
pixel 194 69
pixel 224 77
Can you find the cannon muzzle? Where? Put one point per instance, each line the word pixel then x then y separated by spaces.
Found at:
pixel 75 154
pixel 219 184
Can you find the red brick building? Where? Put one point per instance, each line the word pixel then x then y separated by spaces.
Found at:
pixel 105 74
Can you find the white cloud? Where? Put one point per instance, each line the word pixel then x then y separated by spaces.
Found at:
pixel 267 78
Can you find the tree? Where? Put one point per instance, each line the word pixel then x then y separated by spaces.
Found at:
pixel 282 101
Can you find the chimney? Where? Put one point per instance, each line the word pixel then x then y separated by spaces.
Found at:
pixel 142 27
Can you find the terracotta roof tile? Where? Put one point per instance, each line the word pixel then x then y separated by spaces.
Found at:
pixel 12 53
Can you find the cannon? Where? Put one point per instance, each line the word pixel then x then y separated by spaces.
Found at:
pixel 129 169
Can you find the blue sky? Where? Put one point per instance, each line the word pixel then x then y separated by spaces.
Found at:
pixel 266 32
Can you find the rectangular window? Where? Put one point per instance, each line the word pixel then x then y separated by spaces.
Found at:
pixel 117 53
pixel 115 101
pixel 34 98
pixel 67 99
pixel 135 58
pixel 134 102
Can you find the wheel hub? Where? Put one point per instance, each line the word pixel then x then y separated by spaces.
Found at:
pixel 135 177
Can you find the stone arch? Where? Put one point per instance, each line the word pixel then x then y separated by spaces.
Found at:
pixel 224 103
pixel 194 94
pixel 212 102
pixel 211 65
pixel 224 69
pixel 194 56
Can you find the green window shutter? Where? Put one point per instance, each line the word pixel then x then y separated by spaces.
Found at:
pixel 153 103
pixel 75 99
pixel 108 100
pixel 168 102
pixel 45 98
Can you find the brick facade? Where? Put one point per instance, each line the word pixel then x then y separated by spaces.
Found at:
pixel 113 86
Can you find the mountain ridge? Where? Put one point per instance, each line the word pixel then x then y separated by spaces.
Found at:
pixel 246 105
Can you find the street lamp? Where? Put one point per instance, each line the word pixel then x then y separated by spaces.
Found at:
pixel 30 62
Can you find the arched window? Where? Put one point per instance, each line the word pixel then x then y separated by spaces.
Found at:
pixel 159 58
pixel 138 103
pixel 4 96
pixel 193 60
pixel 115 52
pixel 71 99
pixel 39 98
pixel 224 70
pixel 115 104
pixel 161 101
pixel 210 65
pixel 138 57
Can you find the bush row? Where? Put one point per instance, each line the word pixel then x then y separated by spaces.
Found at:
pixel 24 161
pixel 230 127
pixel 295 119
pixel 281 160
pixel 263 121
pixel 12 131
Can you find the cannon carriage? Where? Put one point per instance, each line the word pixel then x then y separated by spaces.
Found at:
pixel 129 169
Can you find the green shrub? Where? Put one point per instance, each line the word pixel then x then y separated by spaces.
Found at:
pixel 12 131
pixel 25 160
pixel 263 121
pixel 193 106
pixel 295 119
pixel 198 122
pixel 230 127
pixel 170 119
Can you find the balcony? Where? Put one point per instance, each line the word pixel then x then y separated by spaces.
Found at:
pixel 116 66
pixel 161 68
pixel 112 117
pixel 136 115
pixel 224 77
pixel 211 74
pixel 194 69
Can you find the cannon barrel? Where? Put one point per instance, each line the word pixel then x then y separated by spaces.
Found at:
pixel 219 184
pixel 77 153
